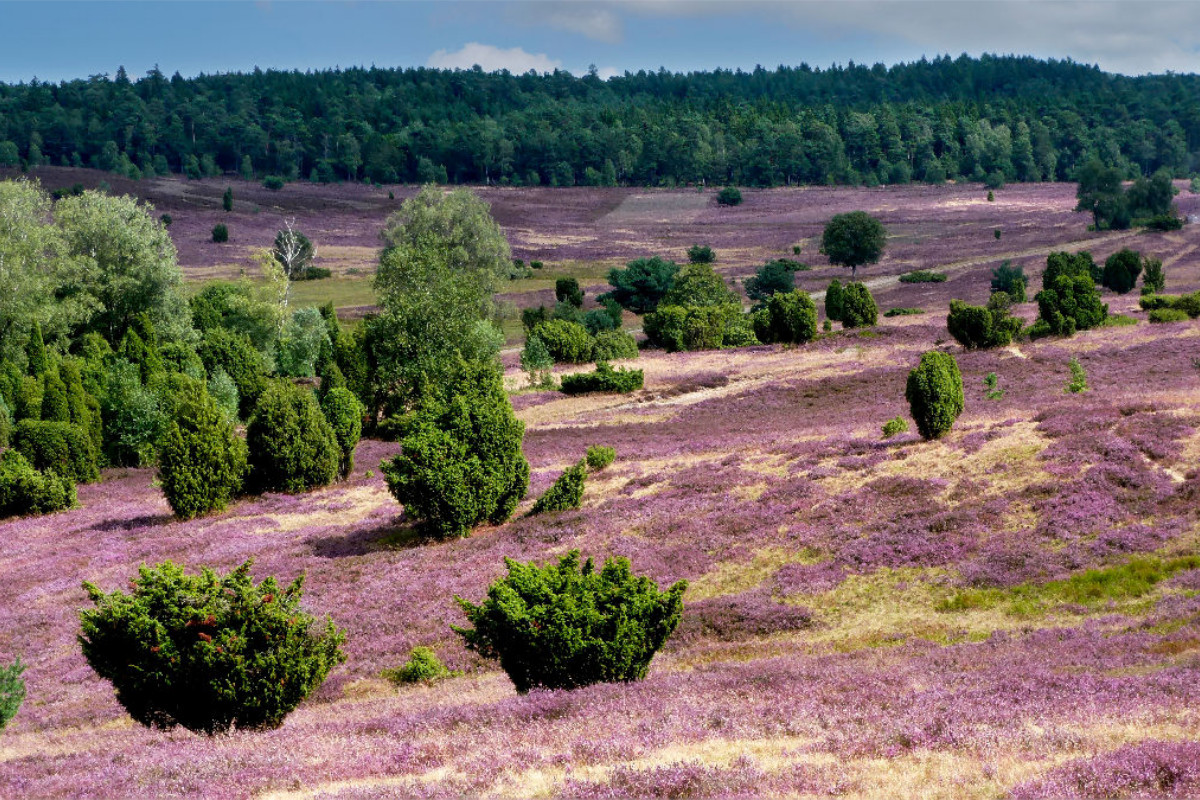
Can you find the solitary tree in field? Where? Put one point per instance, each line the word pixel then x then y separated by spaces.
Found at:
pixel 853 239
pixel 294 252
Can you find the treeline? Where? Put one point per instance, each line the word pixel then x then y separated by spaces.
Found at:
pixel 992 118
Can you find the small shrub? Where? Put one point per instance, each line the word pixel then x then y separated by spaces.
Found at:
pixel 537 363
pixel 729 196
pixel 25 490
pixel 208 652
pixel 827 326
pixel 614 346
pixel 12 691
pixel 977 327
pixel 273 182
pixel 997 234
pixel 220 233
pixel 923 276
pixel 796 249
pixel 536 265
pixel 423 666
pixel 990 388
pixel 678 328
pixel 790 317
pixel 58 446
pixel 461 462
pixel 1163 222
pixel 1168 315
pixel 344 414
pixel 202 459
pixel 292 447
pixel 902 312
pixel 565 494
pixel 1154 280
pixel 1078 383
pixel 566 290
pixel 858 306
pixel 701 254
pixel 567 342
pixel 1070 303
pixel 991 196
pixel 1010 280
pixel 935 394
pixel 562 626
pixel 894 427
pixel 599 320
pixel 604 379
pixel 1121 270
pixel 598 457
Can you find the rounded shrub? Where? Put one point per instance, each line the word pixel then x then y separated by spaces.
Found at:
pixel 1121 270
pixel 566 290
pixel 292 448
pixel 791 317
pixel 564 625
pixel 25 490
pixel 423 666
pixel 614 346
pixel 858 306
pixel 935 394
pixel 567 342
pixel 220 233
pixel 565 494
pixel 202 460
pixel 729 196
pixel 58 446
pixel 461 462
pixel 208 652
pixel 344 414
pixel 701 254
pixel 599 456
pixel 894 427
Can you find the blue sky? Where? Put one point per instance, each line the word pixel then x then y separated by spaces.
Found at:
pixel 61 40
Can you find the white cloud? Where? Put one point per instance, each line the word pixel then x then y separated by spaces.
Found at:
pixel 599 24
pixel 492 59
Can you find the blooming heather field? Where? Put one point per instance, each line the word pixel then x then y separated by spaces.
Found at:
pixel 1011 611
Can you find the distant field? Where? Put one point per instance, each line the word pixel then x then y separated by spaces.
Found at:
pixel 866 618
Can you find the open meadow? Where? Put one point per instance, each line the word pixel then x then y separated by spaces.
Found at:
pixel 1010 611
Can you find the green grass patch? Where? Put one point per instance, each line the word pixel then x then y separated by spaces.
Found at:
pixel 923 276
pixel 1120 321
pixel 1129 581
pixel 903 312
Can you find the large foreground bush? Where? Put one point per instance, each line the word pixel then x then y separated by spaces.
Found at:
pixel 202 461
pixel 208 652
pixel 461 462
pixel 292 447
pixel 562 626
pixel 25 490
pixel 935 394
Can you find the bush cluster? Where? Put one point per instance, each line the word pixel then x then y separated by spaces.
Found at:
pixel 614 346
pixel 59 447
pixel 772 278
pixel 1069 301
pixel 25 490
pixel 208 652
pixel 789 317
pixel 566 625
pixel 923 276
pixel 678 328
pixel 1168 315
pixel 935 394
pixel 566 342
pixel 977 327
pixel 604 379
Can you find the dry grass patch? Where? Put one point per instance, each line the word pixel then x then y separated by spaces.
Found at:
pixel 732 577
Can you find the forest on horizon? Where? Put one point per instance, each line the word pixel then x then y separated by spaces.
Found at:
pixel 995 119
